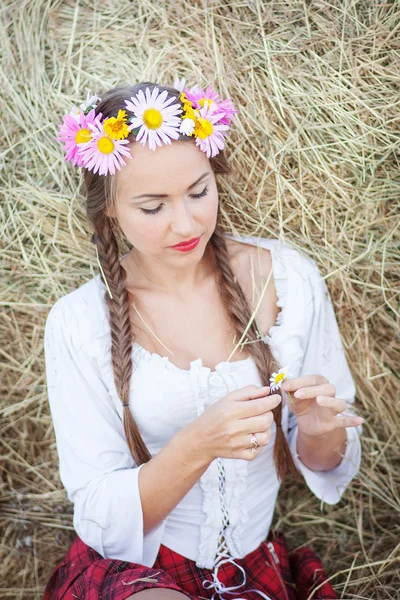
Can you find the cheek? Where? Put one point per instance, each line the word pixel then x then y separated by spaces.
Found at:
pixel 150 231
pixel 139 228
pixel 210 209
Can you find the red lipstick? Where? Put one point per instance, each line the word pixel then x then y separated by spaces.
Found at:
pixel 186 246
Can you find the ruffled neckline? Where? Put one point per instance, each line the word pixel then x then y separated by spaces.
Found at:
pixel 198 362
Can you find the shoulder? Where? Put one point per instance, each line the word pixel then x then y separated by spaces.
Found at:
pixel 80 315
pixel 261 254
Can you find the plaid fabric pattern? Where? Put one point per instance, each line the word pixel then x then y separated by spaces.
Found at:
pixel 85 575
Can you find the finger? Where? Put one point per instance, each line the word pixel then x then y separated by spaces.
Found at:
pixel 347 421
pixel 327 389
pixel 250 392
pixel 263 438
pixel 291 384
pixel 336 404
pixel 260 406
pixel 257 424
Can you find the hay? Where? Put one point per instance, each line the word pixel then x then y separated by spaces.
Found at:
pixel 315 152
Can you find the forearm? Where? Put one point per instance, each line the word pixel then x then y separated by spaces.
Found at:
pixel 169 476
pixel 322 453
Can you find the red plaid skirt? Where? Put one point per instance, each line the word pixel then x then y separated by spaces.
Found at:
pixel 270 568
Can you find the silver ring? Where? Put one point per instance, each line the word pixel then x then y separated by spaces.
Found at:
pixel 254 443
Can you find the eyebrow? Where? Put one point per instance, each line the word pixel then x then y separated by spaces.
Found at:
pixel 166 195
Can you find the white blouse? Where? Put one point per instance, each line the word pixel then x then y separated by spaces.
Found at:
pixel 96 467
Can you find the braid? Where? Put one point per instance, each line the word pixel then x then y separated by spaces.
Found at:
pixel 239 311
pixel 121 338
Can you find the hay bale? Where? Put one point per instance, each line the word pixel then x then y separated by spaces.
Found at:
pixel 315 151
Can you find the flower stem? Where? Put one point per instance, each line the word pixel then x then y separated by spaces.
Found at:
pixel 290 398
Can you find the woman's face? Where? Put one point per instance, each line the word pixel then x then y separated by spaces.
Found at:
pixel 177 173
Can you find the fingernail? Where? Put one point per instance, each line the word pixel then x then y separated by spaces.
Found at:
pixel 299 394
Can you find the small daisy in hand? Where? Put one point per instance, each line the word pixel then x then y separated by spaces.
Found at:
pixel 278 378
pixel 157 122
pixel 103 153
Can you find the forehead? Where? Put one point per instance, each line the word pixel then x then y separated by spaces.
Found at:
pixel 170 164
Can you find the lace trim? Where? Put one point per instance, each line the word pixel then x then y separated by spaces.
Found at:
pixel 223 554
pixel 207 484
pixel 241 469
pixel 218 385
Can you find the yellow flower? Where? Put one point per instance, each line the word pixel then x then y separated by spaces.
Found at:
pixel 117 127
pixel 203 128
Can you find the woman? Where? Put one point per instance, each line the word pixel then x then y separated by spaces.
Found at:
pixel 163 370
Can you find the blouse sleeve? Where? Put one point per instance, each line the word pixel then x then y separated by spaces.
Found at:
pixel 96 466
pixel 324 354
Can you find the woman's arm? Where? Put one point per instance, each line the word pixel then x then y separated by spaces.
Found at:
pixel 119 510
pixel 331 463
pixel 322 453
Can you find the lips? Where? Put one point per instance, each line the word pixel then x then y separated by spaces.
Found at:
pixel 187 243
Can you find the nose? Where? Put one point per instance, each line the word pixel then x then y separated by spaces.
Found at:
pixel 182 223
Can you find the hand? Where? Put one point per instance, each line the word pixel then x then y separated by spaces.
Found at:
pixel 316 412
pixel 224 429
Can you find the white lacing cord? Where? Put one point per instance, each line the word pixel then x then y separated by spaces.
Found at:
pixel 223 554
pixel 220 587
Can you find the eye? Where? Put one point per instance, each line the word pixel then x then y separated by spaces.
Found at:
pixel 153 211
pixel 203 193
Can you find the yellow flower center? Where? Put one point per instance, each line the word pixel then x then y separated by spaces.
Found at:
pixel 279 377
pixel 152 118
pixel 205 102
pixel 82 135
pixel 203 128
pixel 116 127
pixel 105 145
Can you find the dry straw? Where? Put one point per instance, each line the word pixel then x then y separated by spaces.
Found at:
pixel 315 155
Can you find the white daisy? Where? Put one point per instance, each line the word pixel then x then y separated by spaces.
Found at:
pixel 158 122
pixel 278 378
pixel 91 100
pixel 187 126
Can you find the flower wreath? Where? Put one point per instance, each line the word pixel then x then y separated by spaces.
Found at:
pixel 99 144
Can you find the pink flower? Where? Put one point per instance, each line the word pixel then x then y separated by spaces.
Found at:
pixel 209 130
pixel 75 131
pixel 103 153
pixel 201 98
